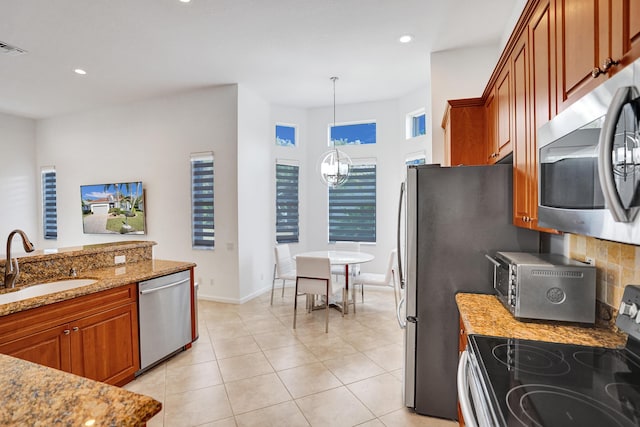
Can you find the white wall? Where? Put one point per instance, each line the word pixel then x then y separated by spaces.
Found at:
pixel 255 202
pixel 418 99
pixel 19 188
pixel 455 74
pixel 151 141
pixel 389 152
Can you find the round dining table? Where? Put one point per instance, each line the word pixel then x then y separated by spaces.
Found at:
pixel 345 258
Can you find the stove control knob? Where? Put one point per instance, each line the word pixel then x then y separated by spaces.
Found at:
pixel 630 309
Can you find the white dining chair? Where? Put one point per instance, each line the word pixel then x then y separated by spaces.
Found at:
pixel 387 279
pixel 313 277
pixel 283 269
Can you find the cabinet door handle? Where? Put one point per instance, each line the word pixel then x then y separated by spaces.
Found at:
pixel 608 63
pixel 66 332
pixel 606 66
pixel 76 329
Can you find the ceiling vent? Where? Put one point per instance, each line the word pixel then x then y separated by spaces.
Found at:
pixel 7 49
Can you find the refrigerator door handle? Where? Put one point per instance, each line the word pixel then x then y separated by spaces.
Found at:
pixel 399 240
pixel 403 324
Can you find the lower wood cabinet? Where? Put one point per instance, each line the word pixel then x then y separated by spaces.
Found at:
pixel 50 347
pixel 95 336
pixel 104 346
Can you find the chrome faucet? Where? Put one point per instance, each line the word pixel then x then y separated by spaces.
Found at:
pixel 11 269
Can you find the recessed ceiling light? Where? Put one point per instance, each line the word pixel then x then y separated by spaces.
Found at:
pixel 406 38
pixel 185 1
pixel 80 71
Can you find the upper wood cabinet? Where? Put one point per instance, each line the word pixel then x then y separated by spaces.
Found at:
pixel 594 40
pixel 523 163
pixel 499 110
pixel 464 132
pixel 633 34
pixel 548 63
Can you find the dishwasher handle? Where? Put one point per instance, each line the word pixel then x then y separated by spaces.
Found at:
pixel 170 285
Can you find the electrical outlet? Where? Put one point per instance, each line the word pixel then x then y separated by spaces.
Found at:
pixel 120 259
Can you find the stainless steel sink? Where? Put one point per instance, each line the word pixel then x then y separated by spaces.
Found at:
pixel 44 289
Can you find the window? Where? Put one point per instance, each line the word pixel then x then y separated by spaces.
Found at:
pixel 353 134
pixel 352 206
pixel 286 135
pixel 416 124
pixel 202 225
pixel 416 159
pixel 287 229
pixel 49 204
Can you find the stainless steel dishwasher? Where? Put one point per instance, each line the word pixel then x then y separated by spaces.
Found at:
pixel 164 316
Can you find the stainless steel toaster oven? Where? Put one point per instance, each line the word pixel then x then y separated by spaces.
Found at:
pixel 545 286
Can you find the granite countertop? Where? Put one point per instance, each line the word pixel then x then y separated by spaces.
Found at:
pixel 485 315
pixel 30 390
pixel 107 278
pixel 71 251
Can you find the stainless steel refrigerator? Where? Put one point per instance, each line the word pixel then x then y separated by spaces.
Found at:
pixel 449 218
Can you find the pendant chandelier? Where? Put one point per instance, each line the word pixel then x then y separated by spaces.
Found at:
pixel 334 164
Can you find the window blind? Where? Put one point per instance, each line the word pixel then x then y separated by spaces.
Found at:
pixel 49 204
pixel 287 228
pixel 202 212
pixel 352 207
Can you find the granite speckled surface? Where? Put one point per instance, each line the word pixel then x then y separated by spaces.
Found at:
pixel 485 315
pixel 107 278
pixel 34 395
pixel 44 264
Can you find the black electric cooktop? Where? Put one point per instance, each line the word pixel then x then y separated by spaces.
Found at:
pixel 533 383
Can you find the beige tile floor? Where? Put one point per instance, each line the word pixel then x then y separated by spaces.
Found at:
pixel 250 368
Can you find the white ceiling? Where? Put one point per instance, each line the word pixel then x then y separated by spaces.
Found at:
pixel 284 50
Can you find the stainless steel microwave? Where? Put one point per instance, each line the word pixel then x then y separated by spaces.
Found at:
pixel 589 163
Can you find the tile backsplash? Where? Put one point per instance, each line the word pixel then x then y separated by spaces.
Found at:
pixel 617 265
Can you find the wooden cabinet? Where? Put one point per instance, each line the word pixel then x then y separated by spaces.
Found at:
pixel 49 347
pixel 499 109
pixel 523 163
pixel 104 346
pixel 533 101
pixel 462 341
pixel 594 40
pixel 95 336
pixel 464 132
pixel 547 64
pixel 631 18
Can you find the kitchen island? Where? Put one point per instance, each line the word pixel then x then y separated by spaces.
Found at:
pixel 35 395
pixel 81 338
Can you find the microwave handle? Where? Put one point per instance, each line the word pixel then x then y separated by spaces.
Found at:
pixel 622 96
